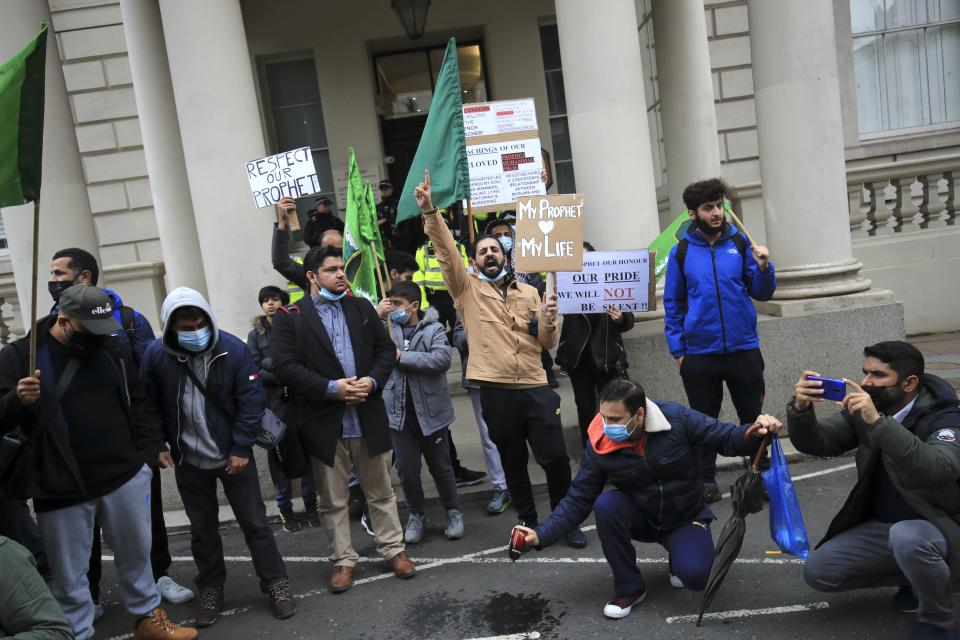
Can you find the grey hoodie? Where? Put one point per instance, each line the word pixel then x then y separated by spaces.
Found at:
pixel 196 443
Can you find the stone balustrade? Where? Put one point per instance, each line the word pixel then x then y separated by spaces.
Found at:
pixel 911 195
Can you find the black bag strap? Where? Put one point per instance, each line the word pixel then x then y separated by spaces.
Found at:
pixel 203 390
pixel 65 378
pixel 681 255
pixel 128 322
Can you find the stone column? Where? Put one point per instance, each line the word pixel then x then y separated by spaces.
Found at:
pixel 161 144
pixel 65 219
pixel 686 96
pixel 220 129
pixel 607 116
pixel 802 164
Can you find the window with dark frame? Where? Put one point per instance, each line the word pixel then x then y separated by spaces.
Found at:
pixel 557 104
pixel 296 117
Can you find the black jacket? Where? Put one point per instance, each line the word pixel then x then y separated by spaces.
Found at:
pixel 258 341
pixel 594 336
pixel 317 225
pixel 922 458
pixel 305 363
pixel 57 476
pixel 283 263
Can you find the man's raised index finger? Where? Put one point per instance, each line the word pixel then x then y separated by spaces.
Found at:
pixel 426 177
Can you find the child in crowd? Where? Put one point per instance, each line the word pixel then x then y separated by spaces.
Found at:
pixel 420 409
pixel 271 299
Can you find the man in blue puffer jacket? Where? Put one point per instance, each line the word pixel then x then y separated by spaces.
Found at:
pixel 204 384
pixel 650 452
pixel 709 319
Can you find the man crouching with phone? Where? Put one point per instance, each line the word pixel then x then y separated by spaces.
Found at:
pixel 900 525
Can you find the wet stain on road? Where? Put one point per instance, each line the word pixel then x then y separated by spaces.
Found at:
pixel 441 614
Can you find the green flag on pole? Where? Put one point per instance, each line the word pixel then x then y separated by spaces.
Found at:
pixel 666 240
pixel 442 147
pixel 362 245
pixel 21 122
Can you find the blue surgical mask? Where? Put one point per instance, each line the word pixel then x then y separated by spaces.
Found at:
pixel 618 432
pixel 506 242
pixel 500 276
pixel 331 296
pixel 195 341
pixel 400 316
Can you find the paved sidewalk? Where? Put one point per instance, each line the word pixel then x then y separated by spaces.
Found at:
pixel 941 351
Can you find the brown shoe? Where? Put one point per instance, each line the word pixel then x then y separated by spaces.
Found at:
pixel 341 579
pixel 211 602
pixel 157 626
pixel 281 601
pixel 402 565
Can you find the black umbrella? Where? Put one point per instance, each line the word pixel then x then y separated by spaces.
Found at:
pixel 747 496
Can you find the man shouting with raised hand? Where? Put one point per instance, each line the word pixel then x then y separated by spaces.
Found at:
pixel 506 326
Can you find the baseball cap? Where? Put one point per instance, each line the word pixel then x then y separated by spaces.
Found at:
pixel 385 184
pixel 322 200
pixel 91 306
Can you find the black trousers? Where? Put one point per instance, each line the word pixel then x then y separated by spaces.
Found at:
pixel 703 378
pixel 160 558
pixel 198 489
pixel 587 383
pixel 516 417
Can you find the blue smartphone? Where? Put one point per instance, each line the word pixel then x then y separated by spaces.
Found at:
pixel 833 388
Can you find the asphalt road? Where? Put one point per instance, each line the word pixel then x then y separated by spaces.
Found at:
pixel 468 589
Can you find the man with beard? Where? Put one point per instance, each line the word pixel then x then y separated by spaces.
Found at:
pixel 901 523
pixel 709 319
pixel 506 327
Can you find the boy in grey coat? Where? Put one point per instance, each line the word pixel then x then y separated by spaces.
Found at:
pixel 419 408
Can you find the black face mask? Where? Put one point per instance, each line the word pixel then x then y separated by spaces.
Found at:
pixel 85 344
pixel 884 397
pixel 57 287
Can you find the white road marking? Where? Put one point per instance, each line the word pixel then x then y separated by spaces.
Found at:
pixel 533 635
pixel 815 474
pixel 748 613
pixel 477 556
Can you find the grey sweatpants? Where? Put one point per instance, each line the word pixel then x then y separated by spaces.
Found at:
pixel 124 516
pixel 880 554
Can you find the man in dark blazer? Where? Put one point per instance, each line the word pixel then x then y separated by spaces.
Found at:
pixel 333 354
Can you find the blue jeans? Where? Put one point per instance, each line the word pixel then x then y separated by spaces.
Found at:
pixel 308 491
pixel 620 522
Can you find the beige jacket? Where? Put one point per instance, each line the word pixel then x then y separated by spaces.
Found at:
pixel 502 350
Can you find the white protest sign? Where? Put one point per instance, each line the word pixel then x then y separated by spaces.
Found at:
pixel 503 172
pixel 341 179
pixel 290 173
pixel 622 279
pixel 503 152
pixel 503 116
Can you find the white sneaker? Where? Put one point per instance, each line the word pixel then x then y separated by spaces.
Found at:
pixel 97 611
pixel 676 583
pixel 621 607
pixel 173 592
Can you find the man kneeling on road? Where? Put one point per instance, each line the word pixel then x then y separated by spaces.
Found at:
pixel 650 452
pixel 901 523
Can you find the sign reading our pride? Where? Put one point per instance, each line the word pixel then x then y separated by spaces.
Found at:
pixel 290 173
pixel 621 279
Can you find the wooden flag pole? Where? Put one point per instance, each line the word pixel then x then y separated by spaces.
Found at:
pixel 33 295
pixel 376 269
pixel 470 220
pixel 739 223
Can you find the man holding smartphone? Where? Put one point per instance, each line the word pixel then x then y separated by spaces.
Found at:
pixel 901 523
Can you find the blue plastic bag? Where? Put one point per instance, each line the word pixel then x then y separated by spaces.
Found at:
pixel 786 520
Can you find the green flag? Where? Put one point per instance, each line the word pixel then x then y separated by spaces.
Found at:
pixel 665 241
pixel 21 122
pixel 442 148
pixel 362 245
